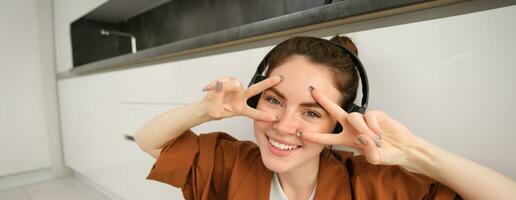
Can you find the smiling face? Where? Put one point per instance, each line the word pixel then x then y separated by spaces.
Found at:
pixel 281 149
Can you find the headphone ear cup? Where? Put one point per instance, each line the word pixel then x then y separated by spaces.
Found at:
pixel 354 108
pixel 349 109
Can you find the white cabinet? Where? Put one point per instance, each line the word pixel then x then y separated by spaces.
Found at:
pixel 98 110
pixel 94 123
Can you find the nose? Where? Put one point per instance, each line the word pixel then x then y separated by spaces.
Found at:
pixel 287 123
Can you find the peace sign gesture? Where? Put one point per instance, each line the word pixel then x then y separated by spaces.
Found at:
pixel 380 138
pixel 227 98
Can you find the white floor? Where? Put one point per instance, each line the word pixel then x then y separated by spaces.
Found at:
pixel 67 188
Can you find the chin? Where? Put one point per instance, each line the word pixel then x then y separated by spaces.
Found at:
pixel 274 165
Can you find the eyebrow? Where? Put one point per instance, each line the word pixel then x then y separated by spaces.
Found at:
pixel 312 104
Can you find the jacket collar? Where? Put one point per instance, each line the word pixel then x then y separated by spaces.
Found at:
pixel 333 180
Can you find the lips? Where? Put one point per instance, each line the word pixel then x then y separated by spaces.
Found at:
pixel 281 149
pixel 282 146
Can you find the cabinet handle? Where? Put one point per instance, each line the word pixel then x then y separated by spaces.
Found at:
pixel 129 137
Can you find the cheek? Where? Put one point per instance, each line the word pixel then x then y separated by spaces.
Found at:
pixel 322 126
pixel 310 151
pixel 313 146
pixel 260 125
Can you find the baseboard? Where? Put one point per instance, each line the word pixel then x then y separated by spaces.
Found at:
pixel 25 178
pixel 94 186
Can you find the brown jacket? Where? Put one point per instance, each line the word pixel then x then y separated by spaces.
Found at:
pixel 217 166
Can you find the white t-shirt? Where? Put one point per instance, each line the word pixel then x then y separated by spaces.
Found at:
pixel 277 192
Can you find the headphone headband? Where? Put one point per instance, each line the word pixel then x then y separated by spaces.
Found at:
pixel 361 72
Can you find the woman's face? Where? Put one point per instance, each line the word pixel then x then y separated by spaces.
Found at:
pixel 281 149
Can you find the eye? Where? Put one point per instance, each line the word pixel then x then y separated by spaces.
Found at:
pixel 273 100
pixel 313 114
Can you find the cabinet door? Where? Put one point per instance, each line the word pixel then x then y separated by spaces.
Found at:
pixel 95 124
pixel 98 111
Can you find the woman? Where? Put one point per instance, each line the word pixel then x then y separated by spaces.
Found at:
pixel 299 107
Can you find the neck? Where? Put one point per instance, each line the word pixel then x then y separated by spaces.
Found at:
pixel 299 183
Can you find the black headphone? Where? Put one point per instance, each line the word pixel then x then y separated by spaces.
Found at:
pixel 259 75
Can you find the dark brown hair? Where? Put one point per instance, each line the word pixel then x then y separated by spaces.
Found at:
pixel 345 75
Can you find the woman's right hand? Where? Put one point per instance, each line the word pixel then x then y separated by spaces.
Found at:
pixel 226 98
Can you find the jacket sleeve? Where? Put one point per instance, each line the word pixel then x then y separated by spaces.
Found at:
pixel 392 182
pixel 200 165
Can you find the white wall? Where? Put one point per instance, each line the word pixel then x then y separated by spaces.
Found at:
pixel 23 131
pixel 447 79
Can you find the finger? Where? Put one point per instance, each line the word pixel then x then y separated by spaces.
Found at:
pixel 216 97
pixel 369 149
pixel 330 138
pixel 357 121
pixel 371 118
pixel 209 86
pixel 262 85
pixel 213 83
pixel 218 93
pixel 330 106
pixel 258 115
pixel 233 86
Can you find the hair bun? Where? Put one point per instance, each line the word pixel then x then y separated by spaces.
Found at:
pixel 345 42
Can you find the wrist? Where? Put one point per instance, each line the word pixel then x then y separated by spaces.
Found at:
pixel 201 112
pixel 422 157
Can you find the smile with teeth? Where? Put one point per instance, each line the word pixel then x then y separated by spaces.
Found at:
pixel 281 146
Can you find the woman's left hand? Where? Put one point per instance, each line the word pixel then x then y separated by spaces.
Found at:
pixel 380 138
pixel 398 146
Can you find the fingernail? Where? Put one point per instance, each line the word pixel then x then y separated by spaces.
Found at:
pixel 205 88
pixel 281 78
pixel 310 88
pixel 218 87
pixel 362 140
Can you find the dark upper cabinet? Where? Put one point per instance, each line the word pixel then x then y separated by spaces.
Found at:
pixel 121 27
